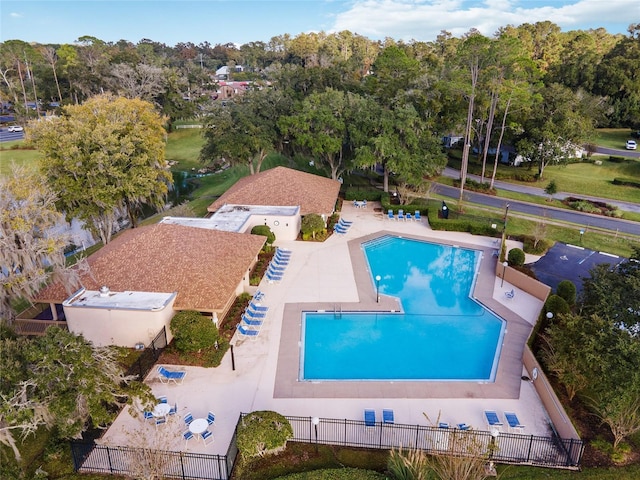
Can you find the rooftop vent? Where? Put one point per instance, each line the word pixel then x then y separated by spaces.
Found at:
pixel 104 291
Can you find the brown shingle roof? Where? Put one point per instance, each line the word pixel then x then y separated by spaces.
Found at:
pixel 282 186
pixel 203 266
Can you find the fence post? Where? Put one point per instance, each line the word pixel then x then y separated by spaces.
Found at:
pixel 530 447
pixel 109 459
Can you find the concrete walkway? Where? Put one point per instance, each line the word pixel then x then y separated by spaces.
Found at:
pixel 326 274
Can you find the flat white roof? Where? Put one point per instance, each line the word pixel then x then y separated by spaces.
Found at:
pixel 232 217
pixel 150 301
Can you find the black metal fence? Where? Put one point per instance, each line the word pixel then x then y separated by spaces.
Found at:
pixel 149 356
pixel 144 463
pixel 511 448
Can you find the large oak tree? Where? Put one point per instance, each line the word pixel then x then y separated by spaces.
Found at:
pixel 104 157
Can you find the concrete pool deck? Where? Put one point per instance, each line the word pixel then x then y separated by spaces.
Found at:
pixel 328 275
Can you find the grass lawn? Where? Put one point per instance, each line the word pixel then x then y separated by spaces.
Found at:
pixel 591 179
pixel 614 137
pixel 10 152
pixel 183 145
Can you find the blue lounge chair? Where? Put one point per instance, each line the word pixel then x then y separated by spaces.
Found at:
pixel 162 399
pixel 510 294
pixel 387 416
pixel 492 418
pixel 160 421
pixel 173 410
pixel 167 376
pixel 275 267
pixel 417 217
pixel 443 425
pixel 211 417
pixel 463 426
pixel 283 253
pixel 408 216
pixel 279 263
pixel 391 215
pixel 247 331
pixel 369 418
pixel 257 308
pixel 251 314
pixel 254 322
pixel 512 420
pixel 258 296
pixel 344 222
pixel 148 415
pixel 342 230
pixel 273 277
pixel 401 215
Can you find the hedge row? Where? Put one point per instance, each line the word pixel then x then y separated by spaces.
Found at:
pixel 627 182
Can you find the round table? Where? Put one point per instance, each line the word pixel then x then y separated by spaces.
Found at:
pixel 198 426
pixel 161 410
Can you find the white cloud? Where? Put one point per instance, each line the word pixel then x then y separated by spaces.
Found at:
pixel 15 15
pixel 424 19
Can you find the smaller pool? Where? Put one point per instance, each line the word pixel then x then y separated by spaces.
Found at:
pixel 373 346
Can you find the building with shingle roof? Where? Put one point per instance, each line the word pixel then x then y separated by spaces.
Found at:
pixel 205 268
pixel 278 197
pixel 284 187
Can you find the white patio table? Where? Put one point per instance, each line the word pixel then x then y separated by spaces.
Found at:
pixel 198 426
pixel 161 410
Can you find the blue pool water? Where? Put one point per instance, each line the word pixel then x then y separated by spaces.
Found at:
pixel 443 334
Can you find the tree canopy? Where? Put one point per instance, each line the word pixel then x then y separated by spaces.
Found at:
pixel 103 158
pixel 60 381
pixel 29 246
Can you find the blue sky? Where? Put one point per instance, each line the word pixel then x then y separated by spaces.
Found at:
pixel 242 21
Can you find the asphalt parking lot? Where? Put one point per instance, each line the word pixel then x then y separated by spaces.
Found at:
pixel 570 262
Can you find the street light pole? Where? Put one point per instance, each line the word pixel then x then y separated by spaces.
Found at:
pixel 504 270
pixel 378 278
pixel 506 213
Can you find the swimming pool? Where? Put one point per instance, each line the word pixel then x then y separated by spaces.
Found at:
pixel 442 334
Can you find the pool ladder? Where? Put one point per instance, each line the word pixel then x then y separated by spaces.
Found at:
pixel 337 311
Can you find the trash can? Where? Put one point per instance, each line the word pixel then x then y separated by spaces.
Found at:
pixel 445 210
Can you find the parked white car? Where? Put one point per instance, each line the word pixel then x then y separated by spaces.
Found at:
pixel 631 145
pixel 15 128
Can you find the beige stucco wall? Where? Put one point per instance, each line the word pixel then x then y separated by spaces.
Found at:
pixel 523 282
pixel 285 227
pixel 119 327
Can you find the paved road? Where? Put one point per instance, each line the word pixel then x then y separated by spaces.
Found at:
pixel 621 152
pixel 622 205
pixel 6 136
pixel 582 220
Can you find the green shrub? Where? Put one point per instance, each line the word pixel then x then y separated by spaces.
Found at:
pixel 192 331
pixel 368 194
pixel 515 257
pixel 311 225
pixel 525 177
pixel 556 305
pixel 629 182
pixel 617 159
pixel 265 231
pixel 263 432
pixel 567 290
pixel 529 244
